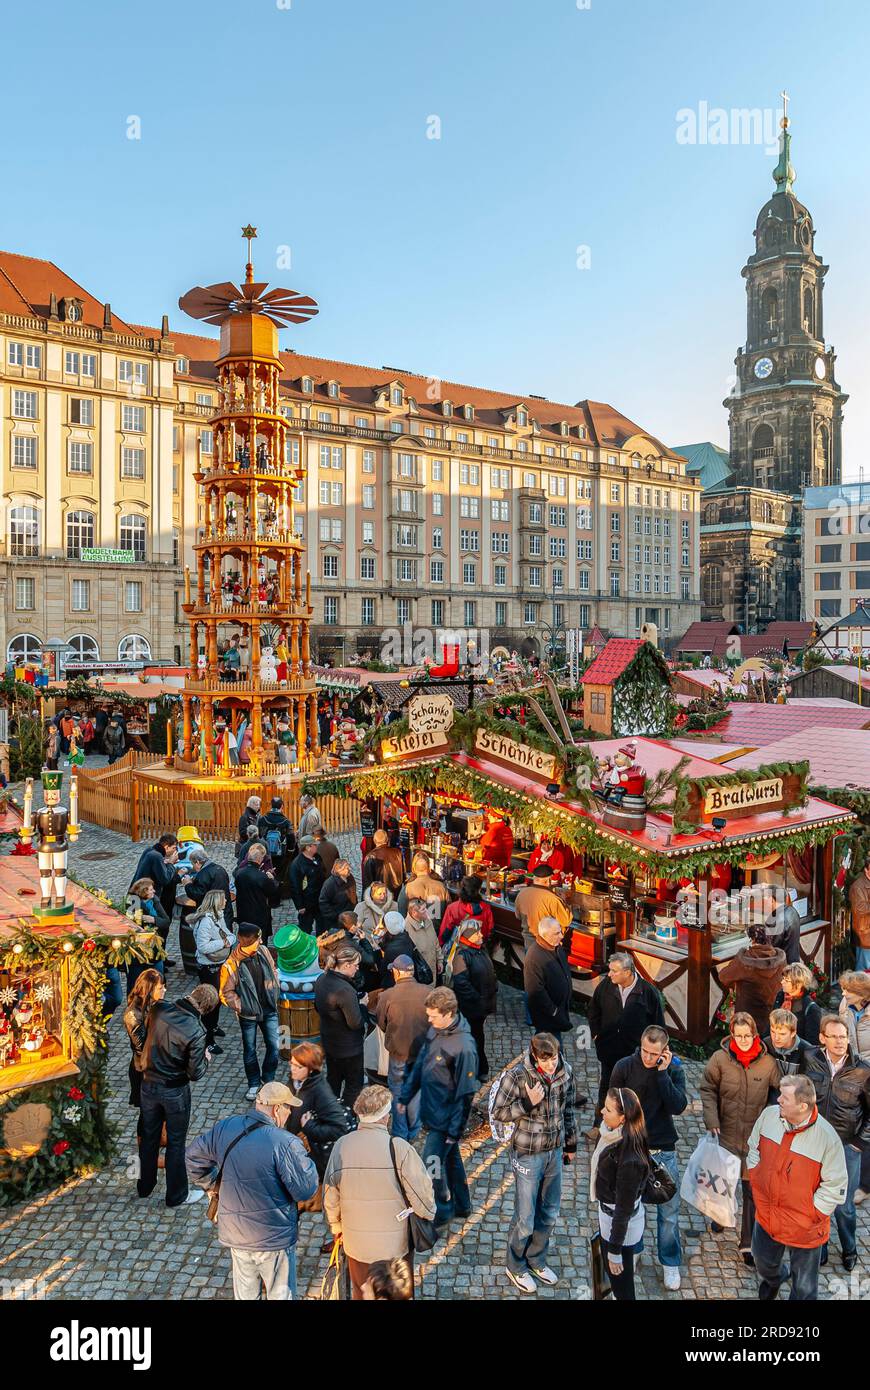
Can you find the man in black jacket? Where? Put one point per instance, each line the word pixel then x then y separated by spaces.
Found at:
pixel 159 864
pixel 657 1078
pixel 305 880
pixel 175 1054
pixel 257 892
pixel 276 832
pixel 395 940
pixel 842 1083
pixel 250 816
pixel 547 980
pixel 342 1028
pixel 621 1007
pixel 208 874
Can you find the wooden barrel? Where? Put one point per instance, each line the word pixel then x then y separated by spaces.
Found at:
pixel 298 1021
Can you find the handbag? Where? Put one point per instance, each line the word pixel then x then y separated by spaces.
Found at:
pixel 215 1189
pixel 334 1283
pixel 600 1278
pixel 422 1233
pixel 659 1186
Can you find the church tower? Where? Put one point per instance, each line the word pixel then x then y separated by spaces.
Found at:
pixel 785 414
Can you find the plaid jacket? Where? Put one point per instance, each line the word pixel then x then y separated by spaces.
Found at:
pixel 539 1128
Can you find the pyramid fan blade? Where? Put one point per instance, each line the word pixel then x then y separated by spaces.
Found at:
pixel 253 291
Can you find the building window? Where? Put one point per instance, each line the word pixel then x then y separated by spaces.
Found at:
pixel 535 575
pixel 403 610
pixel 330 611
pixel 437 503
pixel 583 581
pixel 368 533
pixel 331 456
pixel 133 419
pixel 23 649
pixel 24 405
pixel 684 530
pixel 16 354
pixel 530 614
pixel 79 533
pixel 535 545
pixel 80 458
pixel 711 586
pixel 24 451
pixel 132 596
pixel 500 510
pixel 469 507
pixel 81 595
pixel 367 612
pixel 684 587
pixel 436 571
pixel 500 575
pixel 84 648
pixel 368 461
pixel 469 540
pixel 206 441
pixel 828 582
pixel 437 538
pixel 330 566
pixel 81 410
pixel 133 463
pixel 684 557
pixel 437 612
pixel 131 533
pixel 134 648
pixel 407 571
pixel 830 554
pixel 558 516
pixel 469 572
pixel 330 528
pixel 23 531
pixel 584 550
pixel 584 615
pixel 614 552
pixel 584 518
pixel 367 567
pixel 558 547
pixel 536 514
pixel 614 585
pixel 615 522
pixel 614 492
pixel 469 612
pixel 501 542
pixel 25 594
pixel 368 497
pixel 558 577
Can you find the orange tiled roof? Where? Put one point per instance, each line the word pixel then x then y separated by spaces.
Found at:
pixel 27 284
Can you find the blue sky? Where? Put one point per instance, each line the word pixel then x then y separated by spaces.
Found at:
pixel 454 257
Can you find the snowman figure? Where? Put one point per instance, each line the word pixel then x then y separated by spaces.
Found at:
pixel 268 667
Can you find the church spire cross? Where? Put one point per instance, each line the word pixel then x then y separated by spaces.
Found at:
pixel 784 174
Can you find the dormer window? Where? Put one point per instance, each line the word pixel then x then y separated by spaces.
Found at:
pixel 396 395
pixel 522 418
pixel 564 427
pixel 446 408
pixel 182 365
pixel 468 412
pixel 71 310
pixel 307 384
pixel 333 390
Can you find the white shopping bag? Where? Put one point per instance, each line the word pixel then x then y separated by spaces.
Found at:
pixel 375 1055
pixel 710 1182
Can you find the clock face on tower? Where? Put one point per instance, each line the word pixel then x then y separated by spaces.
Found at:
pixel 820 368
pixel 763 368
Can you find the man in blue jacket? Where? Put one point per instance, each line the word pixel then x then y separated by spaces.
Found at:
pixel 445 1074
pixel 264 1171
pixel 658 1080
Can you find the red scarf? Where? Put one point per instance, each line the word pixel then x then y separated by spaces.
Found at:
pixel 745 1058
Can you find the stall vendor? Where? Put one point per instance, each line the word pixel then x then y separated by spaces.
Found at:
pixel 537 900
pixel 548 853
pixel 497 843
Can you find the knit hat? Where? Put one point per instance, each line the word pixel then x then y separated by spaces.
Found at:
pixel 394 923
pixel 297 949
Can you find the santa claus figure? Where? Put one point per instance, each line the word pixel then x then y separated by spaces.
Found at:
pixel 497 843
pixel 623 771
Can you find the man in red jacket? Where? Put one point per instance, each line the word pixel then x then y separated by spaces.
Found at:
pixel 797 1170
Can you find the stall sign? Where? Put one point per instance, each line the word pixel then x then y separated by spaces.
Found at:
pixel 103 668
pixel 517 755
pixel 427 713
pixel 619 895
pixel 198 810
pixel 742 798
pixel 429 741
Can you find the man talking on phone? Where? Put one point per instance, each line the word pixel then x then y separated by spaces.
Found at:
pixel 657 1078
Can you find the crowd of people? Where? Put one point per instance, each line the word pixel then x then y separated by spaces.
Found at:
pixel 405 965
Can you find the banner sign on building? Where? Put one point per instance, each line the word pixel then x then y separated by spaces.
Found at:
pixel 100 554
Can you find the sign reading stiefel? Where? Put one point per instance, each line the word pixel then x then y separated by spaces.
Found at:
pixel 427 713
pixel 408 746
pixel 517 756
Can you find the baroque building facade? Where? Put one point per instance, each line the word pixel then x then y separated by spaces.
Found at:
pixel 785 422
pixel 425 504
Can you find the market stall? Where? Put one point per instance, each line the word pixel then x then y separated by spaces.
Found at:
pixel 53 962
pixel 664 855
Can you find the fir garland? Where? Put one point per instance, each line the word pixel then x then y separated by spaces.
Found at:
pixel 80 1136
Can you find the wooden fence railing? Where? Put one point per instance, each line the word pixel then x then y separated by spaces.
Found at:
pixel 126 799
pixel 159 806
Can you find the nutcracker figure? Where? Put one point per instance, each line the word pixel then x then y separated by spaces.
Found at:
pixel 53 823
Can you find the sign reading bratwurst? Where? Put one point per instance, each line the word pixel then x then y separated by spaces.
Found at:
pixel 519 756
pixel 738 798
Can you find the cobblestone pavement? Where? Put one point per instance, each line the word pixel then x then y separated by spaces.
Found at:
pixel 95 1239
